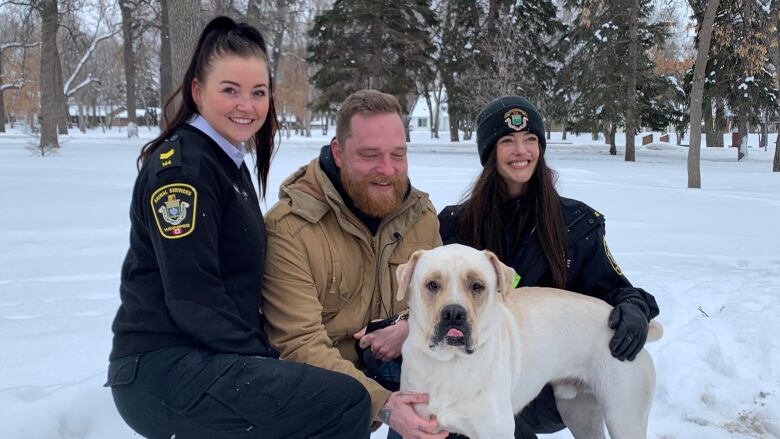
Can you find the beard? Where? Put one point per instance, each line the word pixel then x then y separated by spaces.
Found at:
pixel 371 202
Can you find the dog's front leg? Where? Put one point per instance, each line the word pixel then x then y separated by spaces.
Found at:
pixel 497 422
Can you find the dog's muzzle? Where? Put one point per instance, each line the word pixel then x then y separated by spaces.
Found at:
pixel 453 328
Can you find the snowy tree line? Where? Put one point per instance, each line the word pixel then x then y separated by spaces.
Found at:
pixel 597 66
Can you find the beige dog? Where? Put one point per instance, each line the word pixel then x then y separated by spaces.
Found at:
pixel 482 350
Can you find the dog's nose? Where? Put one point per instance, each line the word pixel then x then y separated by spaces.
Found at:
pixel 453 315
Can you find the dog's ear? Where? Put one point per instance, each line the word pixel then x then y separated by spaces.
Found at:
pixel 504 274
pixel 404 274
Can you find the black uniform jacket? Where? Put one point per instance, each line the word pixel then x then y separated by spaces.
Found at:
pixel 591 269
pixel 194 271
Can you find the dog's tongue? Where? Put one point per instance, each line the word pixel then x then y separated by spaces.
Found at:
pixel 454 333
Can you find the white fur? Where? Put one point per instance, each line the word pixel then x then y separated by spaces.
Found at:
pixel 523 339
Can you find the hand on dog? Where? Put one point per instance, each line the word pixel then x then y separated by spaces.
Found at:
pixel 386 342
pixel 398 412
pixel 630 324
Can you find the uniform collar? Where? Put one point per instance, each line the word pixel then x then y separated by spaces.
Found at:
pixel 236 153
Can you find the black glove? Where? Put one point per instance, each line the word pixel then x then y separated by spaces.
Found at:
pixel 629 320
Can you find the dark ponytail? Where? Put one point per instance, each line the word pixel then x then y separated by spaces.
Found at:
pixel 221 36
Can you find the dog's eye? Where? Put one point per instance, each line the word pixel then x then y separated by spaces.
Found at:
pixel 432 286
pixel 477 287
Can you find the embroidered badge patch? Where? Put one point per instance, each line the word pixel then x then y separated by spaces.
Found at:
pixel 174 206
pixel 611 259
pixel 516 119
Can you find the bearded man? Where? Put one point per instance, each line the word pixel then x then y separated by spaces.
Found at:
pixel 342 225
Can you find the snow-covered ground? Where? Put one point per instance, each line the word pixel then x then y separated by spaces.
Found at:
pixel 710 256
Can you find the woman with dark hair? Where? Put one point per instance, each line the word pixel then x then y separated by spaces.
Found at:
pixel 190 356
pixel 514 211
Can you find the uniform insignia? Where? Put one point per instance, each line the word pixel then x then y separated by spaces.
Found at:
pixel 169 155
pixel 611 259
pixel 174 207
pixel 516 281
pixel 516 119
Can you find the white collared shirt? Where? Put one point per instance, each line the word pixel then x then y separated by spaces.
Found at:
pixel 236 153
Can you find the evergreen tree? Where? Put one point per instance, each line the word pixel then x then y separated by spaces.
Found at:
pixel 598 45
pixel 460 30
pixel 737 69
pixel 506 49
pixel 370 44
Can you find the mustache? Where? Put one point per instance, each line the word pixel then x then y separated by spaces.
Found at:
pixel 379 179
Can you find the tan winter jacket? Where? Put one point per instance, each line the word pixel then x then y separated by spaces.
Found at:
pixel 326 276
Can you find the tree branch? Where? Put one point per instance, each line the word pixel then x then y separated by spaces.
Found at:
pixel 68 92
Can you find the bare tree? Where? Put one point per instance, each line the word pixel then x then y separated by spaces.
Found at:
pixel 773 42
pixel 633 48
pixel 14 84
pixel 166 84
pixel 697 92
pixel 128 56
pixel 276 20
pixel 183 19
pixel 49 58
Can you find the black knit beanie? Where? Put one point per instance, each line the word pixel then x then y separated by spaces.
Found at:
pixel 506 115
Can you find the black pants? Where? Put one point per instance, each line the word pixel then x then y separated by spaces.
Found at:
pixel 195 393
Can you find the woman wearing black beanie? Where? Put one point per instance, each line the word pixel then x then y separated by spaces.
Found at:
pixel 514 210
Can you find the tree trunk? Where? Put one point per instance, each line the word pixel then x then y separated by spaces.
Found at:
pixel 437 112
pixel 633 48
pixel 184 28
pixel 776 164
pixel 49 25
pixel 709 124
pixel 2 99
pixel 763 141
pixel 2 112
pixel 63 112
pixel 430 110
pixel 454 135
pixel 774 56
pixel 609 138
pixel 721 124
pixel 564 130
pixel 284 16
pixel 129 59
pixel 82 119
pixel 492 17
pixel 742 129
pixel 697 92
pixel 166 86
pixel 612 145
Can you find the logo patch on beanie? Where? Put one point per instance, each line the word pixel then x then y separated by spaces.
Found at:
pixel 516 119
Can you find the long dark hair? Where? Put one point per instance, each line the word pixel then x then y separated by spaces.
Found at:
pixel 222 36
pixel 481 224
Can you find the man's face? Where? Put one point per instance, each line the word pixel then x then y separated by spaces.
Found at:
pixel 373 163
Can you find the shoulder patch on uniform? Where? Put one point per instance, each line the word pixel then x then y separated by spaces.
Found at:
pixel 168 155
pixel 174 207
pixel 612 262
